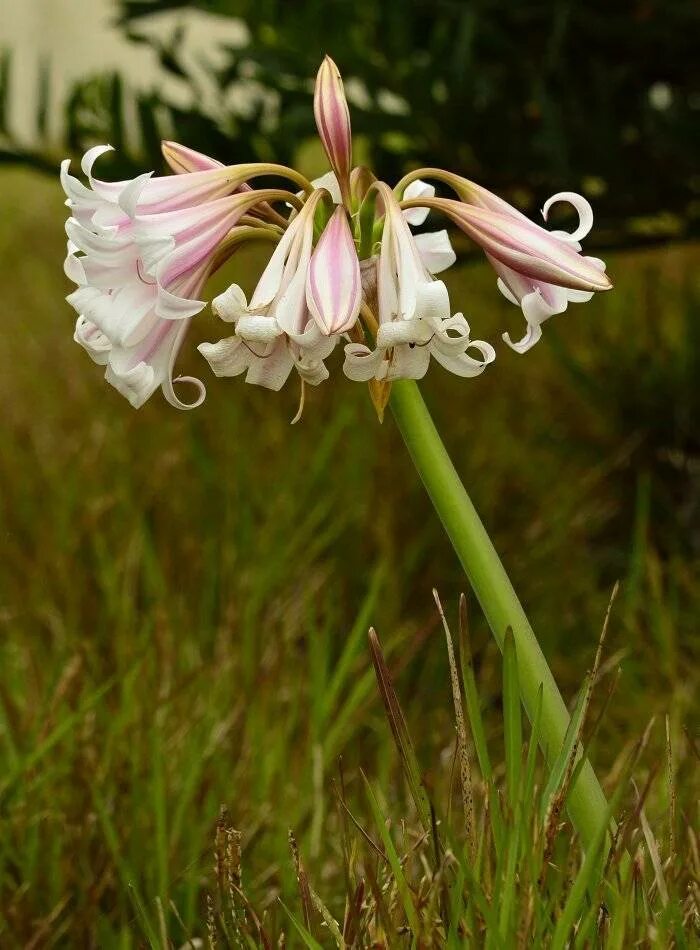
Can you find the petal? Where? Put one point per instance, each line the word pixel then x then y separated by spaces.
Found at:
pixel 329 181
pixel 183 159
pixel 462 364
pixel 408 362
pixel 417 189
pixel 579 203
pixel 361 363
pixel 531 337
pixel 435 250
pixel 231 305
pixel 272 369
pixel 403 332
pixel 432 301
pixel 92 340
pixel 228 357
pixel 258 329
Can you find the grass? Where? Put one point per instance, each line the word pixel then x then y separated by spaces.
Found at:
pixel 184 606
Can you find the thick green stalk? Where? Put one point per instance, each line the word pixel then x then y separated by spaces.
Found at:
pixel 498 600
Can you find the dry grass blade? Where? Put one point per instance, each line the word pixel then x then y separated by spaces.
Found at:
pixel 302 881
pixel 671 793
pixel 653 849
pixel 563 769
pixel 465 768
pixel 400 732
pixel 352 922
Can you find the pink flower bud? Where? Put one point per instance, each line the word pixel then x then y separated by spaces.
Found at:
pixel 334 286
pixel 333 122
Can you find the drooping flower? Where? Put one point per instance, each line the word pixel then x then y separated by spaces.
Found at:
pixel 541 271
pixel 345 265
pixel 414 315
pixel 140 265
pixel 275 332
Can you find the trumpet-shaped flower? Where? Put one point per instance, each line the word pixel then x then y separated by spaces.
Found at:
pixel 415 320
pixel 346 264
pixel 140 274
pixel 275 332
pixel 541 271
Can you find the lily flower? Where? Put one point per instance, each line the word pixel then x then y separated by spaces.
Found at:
pixel 541 271
pixel 140 277
pixel 415 320
pixel 275 332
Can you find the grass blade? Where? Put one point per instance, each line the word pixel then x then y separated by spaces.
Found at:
pixel 512 720
pixel 399 730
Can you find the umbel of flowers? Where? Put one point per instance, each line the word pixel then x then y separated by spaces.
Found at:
pixel 345 269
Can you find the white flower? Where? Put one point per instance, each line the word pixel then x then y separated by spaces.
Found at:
pixel 434 247
pixel 415 321
pixel 140 253
pixel 275 333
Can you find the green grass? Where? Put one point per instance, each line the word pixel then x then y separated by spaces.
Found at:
pixel 184 606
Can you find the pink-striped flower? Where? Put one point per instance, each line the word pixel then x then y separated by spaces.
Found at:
pixel 415 318
pixel 333 123
pixel 334 286
pixel 275 333
pixel 541 271
pixel 140 253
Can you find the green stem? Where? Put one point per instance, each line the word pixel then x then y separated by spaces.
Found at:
pixel 494 591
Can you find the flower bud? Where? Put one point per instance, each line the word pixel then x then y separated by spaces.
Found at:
pixel 334 285
pixel 333 123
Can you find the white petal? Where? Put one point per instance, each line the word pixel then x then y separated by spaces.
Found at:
pixel 258 329
pixel 228 357
pixel 403 332
pixel 581 205
pixel 462 364
pixel 231 305
pixel 92 340
pixel 432 301
pixel 361 363
pixel 272 369
pixel 507 292
pixel 91 156
pixel 435 250
pixel 330 183
pixel 417 189
pixel 136 384
pixel 531 337
pixel 170 306
pixel 409 361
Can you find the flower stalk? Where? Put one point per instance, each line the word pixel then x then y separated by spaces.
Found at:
pixel 494 591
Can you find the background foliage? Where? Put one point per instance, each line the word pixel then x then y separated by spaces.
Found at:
pixel 527 98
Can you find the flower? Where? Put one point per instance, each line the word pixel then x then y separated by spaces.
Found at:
pixel 434 247
pixel 345 265
pixel 140 253
pixel 541 271
pixel 333 123
pixel 275 333
pixel 415 320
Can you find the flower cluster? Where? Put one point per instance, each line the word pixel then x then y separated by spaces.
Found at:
pixel 346 267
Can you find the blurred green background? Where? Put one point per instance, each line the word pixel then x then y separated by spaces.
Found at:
pixel 184 597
